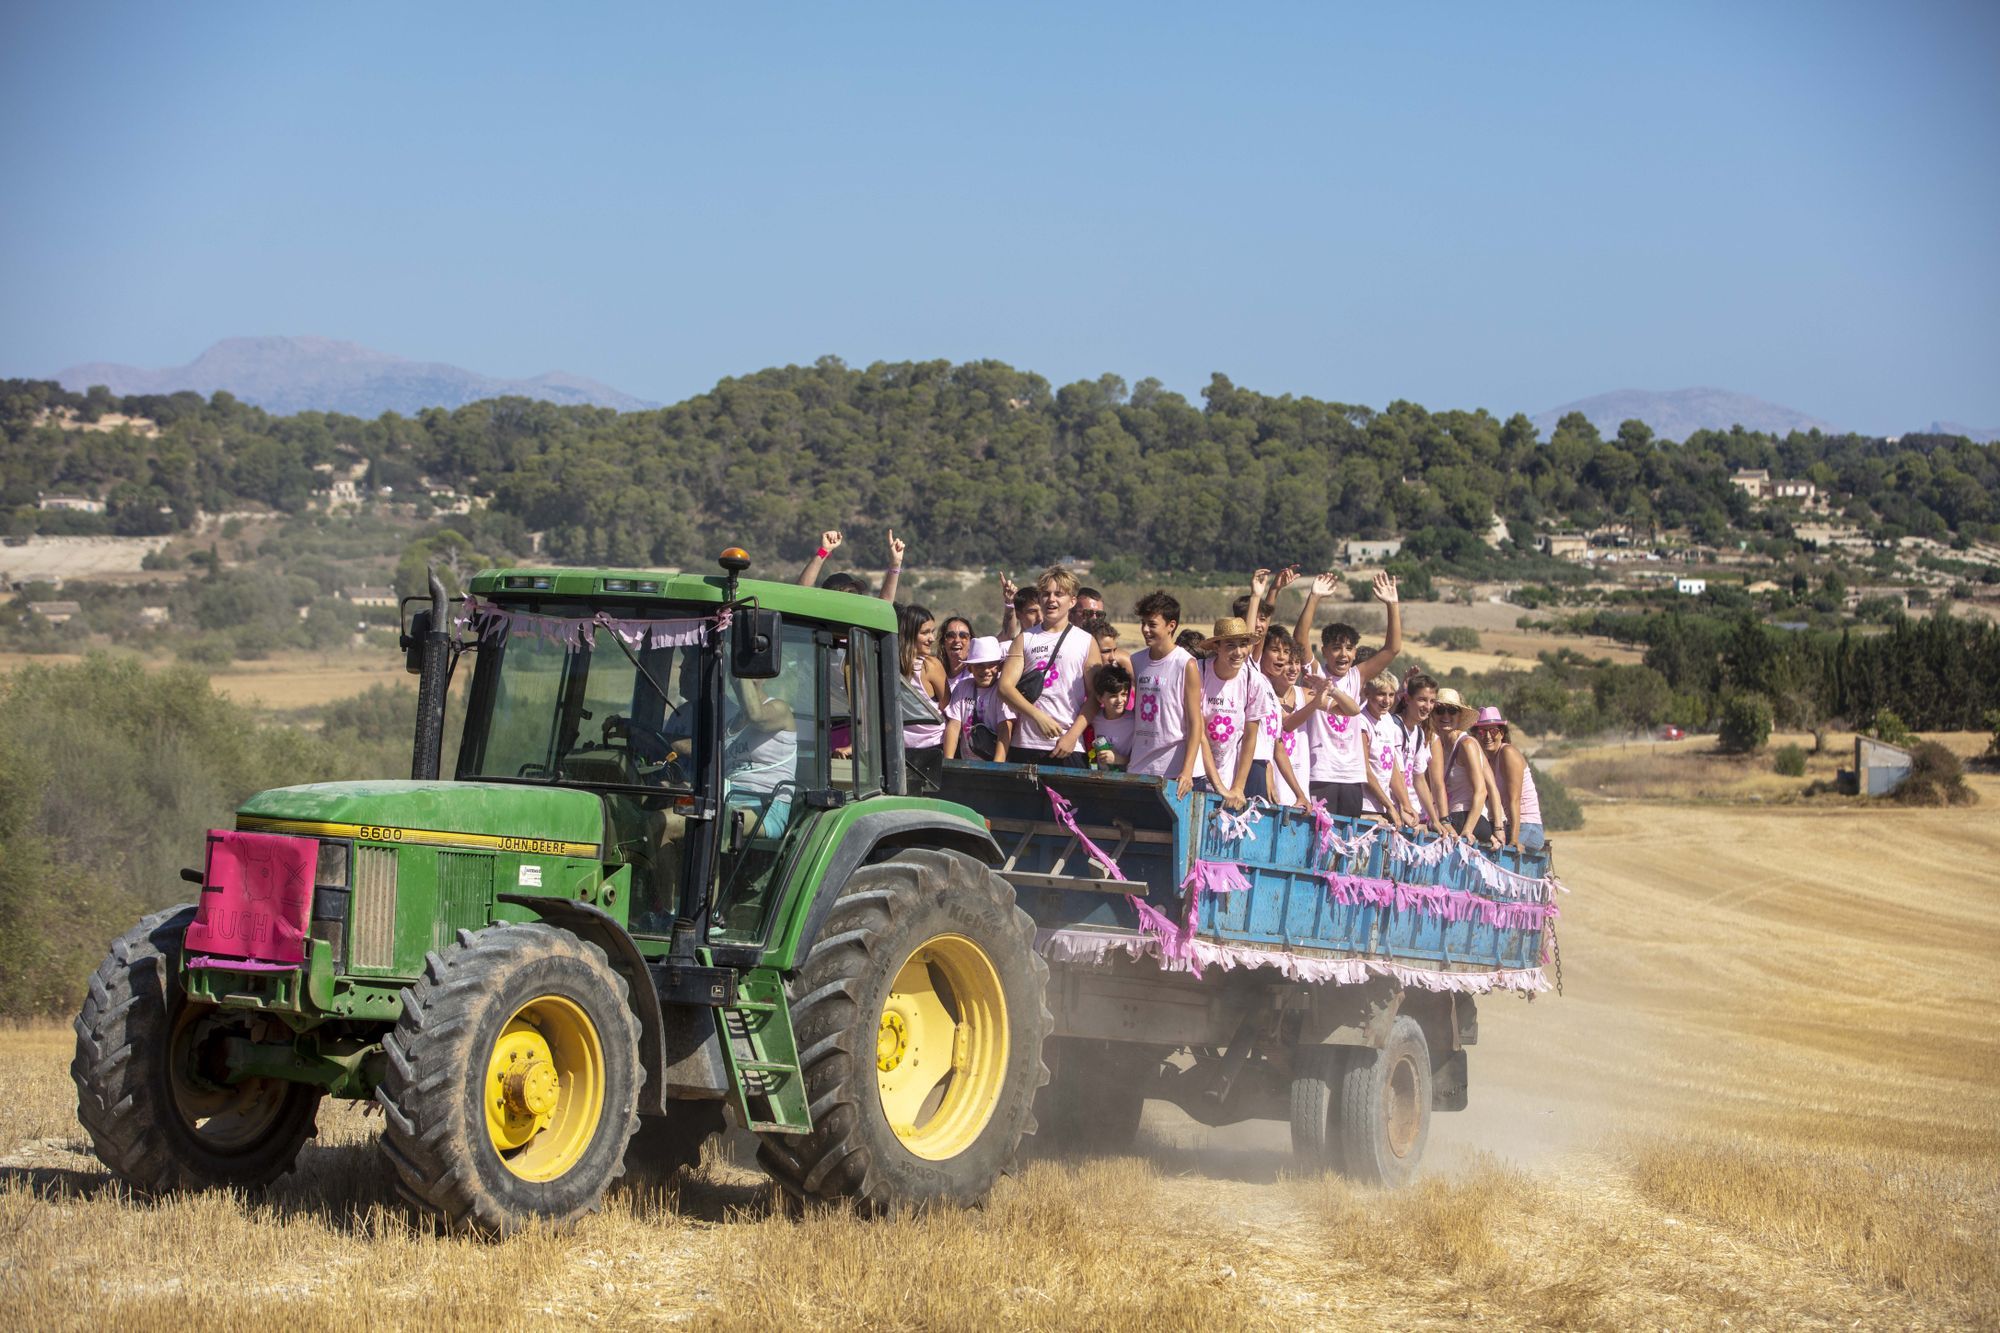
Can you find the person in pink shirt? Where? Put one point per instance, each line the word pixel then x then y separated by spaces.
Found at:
pixel 1111 731
pixel 1282 748
pixel 1519 800
pixel 1388 798
pixel 1166 692
pixel 975 720
pixel 1235 700
pixel 1048 727
pixel 1341 778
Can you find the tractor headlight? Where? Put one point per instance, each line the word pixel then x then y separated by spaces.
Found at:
pixel 331 872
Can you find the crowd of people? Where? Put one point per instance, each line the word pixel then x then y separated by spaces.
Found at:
pixel 1250 710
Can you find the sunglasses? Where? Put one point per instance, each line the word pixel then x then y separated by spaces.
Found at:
pixel 958 634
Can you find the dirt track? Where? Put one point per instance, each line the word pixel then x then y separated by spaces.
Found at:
pixel 1767 1097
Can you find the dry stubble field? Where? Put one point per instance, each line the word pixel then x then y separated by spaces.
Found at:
pixel 1769 1097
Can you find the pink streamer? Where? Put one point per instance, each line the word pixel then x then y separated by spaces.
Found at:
pixel 1066 816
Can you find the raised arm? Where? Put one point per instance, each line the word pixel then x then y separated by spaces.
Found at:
pixel 894 573
pixel 1323 585
pixel 829 542
pixel 1392 637
pixel 1010 624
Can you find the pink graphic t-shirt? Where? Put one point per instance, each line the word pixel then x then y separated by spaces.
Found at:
pixel 1227 709
pixel 1378 737
pixel 1336 738
pixel 1159 711
pixel 1297 745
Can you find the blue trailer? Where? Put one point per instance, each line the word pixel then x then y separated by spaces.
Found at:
pixel 1273 963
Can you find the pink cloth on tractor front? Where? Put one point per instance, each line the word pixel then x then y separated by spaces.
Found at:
pixel 256 900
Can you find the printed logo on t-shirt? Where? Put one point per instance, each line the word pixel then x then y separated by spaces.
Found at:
pixel 1220 728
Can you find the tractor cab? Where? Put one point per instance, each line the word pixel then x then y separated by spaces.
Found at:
pixel 711 717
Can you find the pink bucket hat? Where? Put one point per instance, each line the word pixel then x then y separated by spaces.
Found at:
pixel 1489 717
pixel 985 651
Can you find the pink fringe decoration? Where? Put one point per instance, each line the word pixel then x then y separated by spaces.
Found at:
pixel 1091 946
pixel 1451 904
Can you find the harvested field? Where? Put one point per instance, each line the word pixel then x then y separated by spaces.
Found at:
pixel 1769 1097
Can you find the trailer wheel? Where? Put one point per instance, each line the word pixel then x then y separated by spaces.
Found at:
pixel 512 1085
pixel 1364 1112
pixel 920 1015
pixel 147 1077
pixel 1095 1095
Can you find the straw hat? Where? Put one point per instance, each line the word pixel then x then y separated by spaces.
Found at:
pixel 1449 698
pixel 1227 629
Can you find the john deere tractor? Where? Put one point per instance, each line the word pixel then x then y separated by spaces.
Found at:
pixel 677 871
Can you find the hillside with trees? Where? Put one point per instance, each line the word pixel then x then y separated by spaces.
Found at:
pixel 978 464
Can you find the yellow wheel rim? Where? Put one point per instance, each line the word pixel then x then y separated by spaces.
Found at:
pixel 544 1089
pixel 941 1047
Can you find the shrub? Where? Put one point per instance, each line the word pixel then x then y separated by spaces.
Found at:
pixel 1458 638
pixel 1891 729
pixel 1560 812
pixel 1789 762
pixel 1746 723
pixel 1936 778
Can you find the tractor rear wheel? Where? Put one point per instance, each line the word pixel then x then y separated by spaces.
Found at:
pixel 920 1014
pixel 1363 1112
pixel 512 1085
pixel 149 1079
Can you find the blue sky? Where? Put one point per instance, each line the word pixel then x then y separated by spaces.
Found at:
pixel 1506 206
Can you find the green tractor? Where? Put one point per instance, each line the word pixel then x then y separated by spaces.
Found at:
pixel 677 871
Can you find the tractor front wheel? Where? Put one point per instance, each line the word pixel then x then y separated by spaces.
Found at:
pixel 513 1078
pixel 150 1085
pixel 920 1014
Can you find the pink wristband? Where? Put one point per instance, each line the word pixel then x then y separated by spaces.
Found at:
pixel 822 553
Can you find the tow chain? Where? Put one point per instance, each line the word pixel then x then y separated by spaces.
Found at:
pixel 1555 946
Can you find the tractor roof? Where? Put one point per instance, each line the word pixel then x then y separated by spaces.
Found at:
pixel 641 585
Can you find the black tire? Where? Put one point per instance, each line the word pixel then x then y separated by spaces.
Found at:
pixel 151 1116
pixel 1365 1112
pixel 884 914
pixel 442 1063
pixel 673 1142
pixel 1095 1095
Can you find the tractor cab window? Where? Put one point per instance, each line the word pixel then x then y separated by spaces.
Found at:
pixel 857 729
pixel 562 700
pixel 771 756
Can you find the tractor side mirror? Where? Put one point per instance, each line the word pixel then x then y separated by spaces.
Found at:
pixel 756 644
pixel 413 642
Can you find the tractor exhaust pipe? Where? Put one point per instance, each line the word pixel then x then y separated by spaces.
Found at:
pixel 434 642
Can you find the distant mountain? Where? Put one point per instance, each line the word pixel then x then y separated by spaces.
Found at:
pixel 1953 428
pixel 1675 414
pixel 308 374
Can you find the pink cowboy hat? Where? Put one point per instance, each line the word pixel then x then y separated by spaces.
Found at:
pixel 1489 717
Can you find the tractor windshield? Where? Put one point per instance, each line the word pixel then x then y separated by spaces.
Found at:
pixel 586 695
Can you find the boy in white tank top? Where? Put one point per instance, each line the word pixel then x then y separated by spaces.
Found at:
pixel 1047 729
